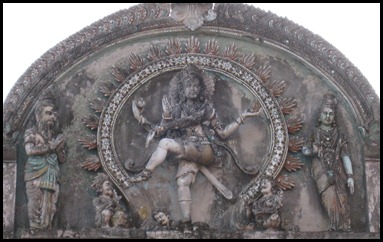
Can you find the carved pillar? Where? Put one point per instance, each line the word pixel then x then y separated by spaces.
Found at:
pixel 371 136
pixel 373 193
pixel 9 190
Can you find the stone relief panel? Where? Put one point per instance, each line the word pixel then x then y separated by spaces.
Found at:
pixel 234 90
pixel 193 15
pixel 332 167
pixel 195 130
pixel 45 148
pixel 199 140
pixel 227 85
pixel 109 211
pixel 9 194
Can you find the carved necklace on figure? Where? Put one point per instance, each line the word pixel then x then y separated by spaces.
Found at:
pixel 191 107
pixel 328 137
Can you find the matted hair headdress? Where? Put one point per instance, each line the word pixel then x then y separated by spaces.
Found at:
pixel 189 71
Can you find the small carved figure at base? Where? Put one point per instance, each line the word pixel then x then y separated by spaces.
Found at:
pixel 108 211
pixel 265 209
pixel 120 219
pixel 161 216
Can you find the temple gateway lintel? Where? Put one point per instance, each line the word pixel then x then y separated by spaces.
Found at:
pixel 192 120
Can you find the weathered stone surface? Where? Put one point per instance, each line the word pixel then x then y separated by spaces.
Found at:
pixel 373 198
pixel 109 82
pixel 9 196
pixel 140 234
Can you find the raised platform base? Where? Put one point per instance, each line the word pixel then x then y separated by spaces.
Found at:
pixel 204 234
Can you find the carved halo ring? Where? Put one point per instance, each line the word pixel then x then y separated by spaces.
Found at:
pixel 279 133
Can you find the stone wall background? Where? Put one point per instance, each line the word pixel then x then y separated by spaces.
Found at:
pixel 79 82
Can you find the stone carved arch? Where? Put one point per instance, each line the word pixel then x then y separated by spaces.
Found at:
pixel 276 44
